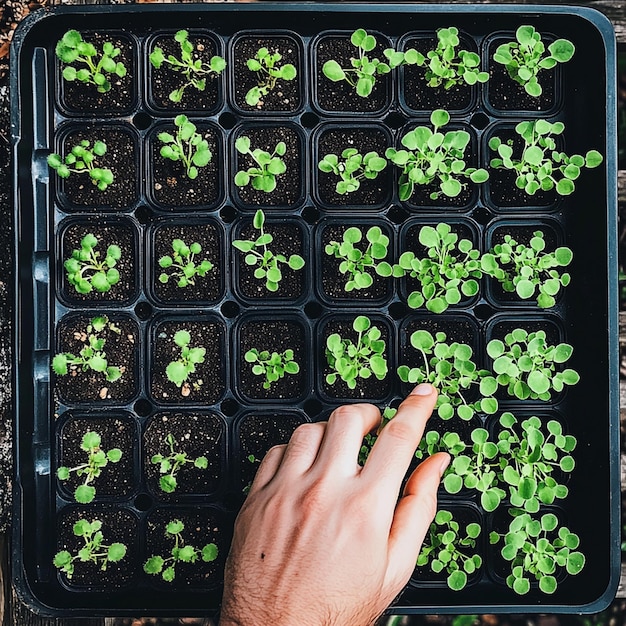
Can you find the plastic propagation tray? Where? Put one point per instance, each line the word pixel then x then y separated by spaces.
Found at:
pixel 44 115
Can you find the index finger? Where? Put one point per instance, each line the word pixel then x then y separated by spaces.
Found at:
pixel 396 444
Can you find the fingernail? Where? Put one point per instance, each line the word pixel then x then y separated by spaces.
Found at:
pixel 423 389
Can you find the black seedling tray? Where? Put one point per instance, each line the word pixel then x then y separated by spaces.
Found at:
pixel 583 96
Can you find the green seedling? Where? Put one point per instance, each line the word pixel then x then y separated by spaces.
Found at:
pixel 180 553
pixel 432 156
pixel 449 549
pixel 92 355
pixel 450 368
pixel 526 365
pixel 450 270
pixel 350 361
pixel 268 71
pixel 172 462
pixel 272 365
pixel 85 64
pixel 97 460
pixel 357 263
pixel 95 549
pixel 351 168
pixel 370 439
pixel 541 166
pixel 525 57
pixel 433 442
pixel 182 265
pixel 86 271
pixel 362 73
pixel 528 270
pixel 537 549
pixel 178 371
pixel 258 254
pixel 81 159
pixel 263 176
pixel 193 70
pixel 186 146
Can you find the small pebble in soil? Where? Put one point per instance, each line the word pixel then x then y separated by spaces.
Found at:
pixel 104 392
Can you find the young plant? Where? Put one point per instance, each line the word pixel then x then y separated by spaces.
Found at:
pixel 432 156
pixel 447 548
pixel 171 463
pixel 268 71
pixel 92 355
pixel 527 270
pixel 541 166
pixel 538 548
pixel 178 371
pixel 258 254
pixel 193 70
pixel 86 272
pixel 272 365
pixel 180 553
pixel 97 460
pixel 187 146
pixel 356 262
pixel 351 168
pixel 526 365
pixel 182 265
pixel 85 64
pixel 262 177
pixel 350 361
pixel 449 367
pixel 447 67
pixel 525 57
pixel 450 271
pixel 81 159
pixel 95 549
pixel 361 76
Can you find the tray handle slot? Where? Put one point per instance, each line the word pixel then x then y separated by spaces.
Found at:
pixel 41 113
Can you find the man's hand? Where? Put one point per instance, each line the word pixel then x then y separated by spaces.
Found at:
pixel 321 541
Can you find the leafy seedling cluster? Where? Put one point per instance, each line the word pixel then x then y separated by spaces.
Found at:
pixel 370 439
pixel 179 370
pixel 97 460
pixel 194 71
pixel 82 159
pixel 269 165
pixel 432 156
pixel 269 71
pixel 95 549
pixel 180 553
pixel 272 365
pixel 182 265
pixel 525 57
pixel 258 255
pixel 86 271
pixel 541 166
pixel 350 361
pixel 92 355
pixel 83 62
pixel 351 168
pixel 357 263
pixel 172 462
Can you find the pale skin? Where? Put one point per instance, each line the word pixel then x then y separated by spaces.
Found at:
pixel 321 541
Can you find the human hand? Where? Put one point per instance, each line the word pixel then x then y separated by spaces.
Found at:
pixel 321 541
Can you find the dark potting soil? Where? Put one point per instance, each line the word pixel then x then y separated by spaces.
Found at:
pixel 78 97
pixel 285 96
pixel 288 189
pixel 273 336
pixel 340 96
pixel 164 80
pixel 288 240
pixel 208 288
pixel 196 434
pixel 120 158
pixel 207 384
pixel 107 233
pixel 116 479
pixel 170 185
pixel 334 282
pixel 120 349
pixel 375 191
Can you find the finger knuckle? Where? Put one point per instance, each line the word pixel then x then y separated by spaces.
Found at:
pixel 400 430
